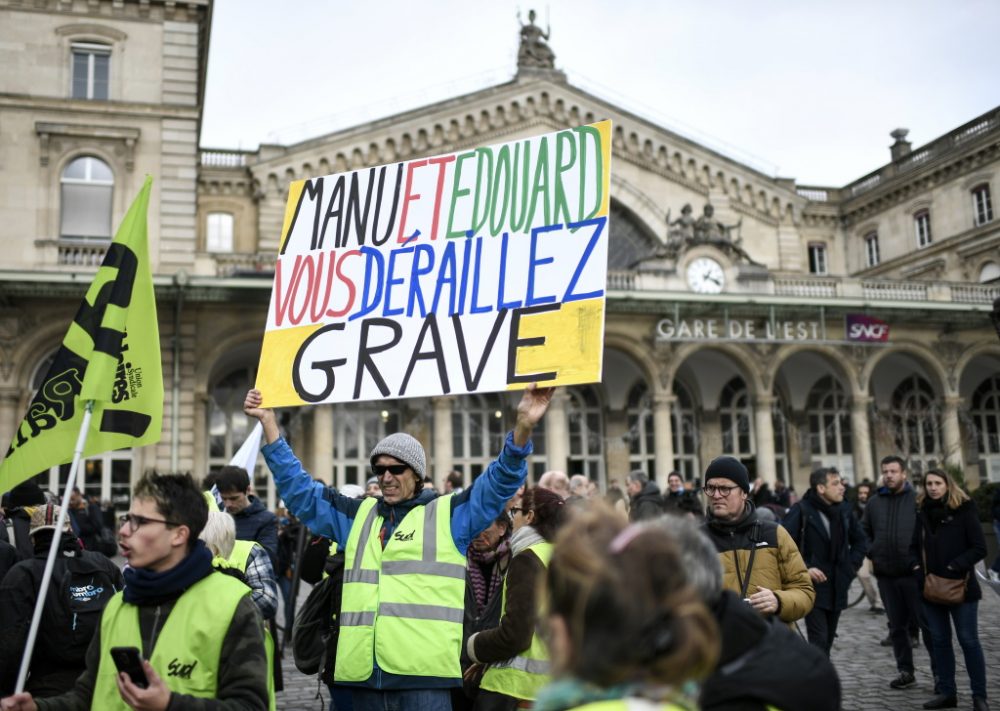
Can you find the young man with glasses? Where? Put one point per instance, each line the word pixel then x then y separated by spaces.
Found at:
pixel 759 559
pixel 833 545
pixel 404 569
pixel 198 631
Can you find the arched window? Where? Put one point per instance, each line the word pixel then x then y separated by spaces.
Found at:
pixel 829 418
pixel 87 186
pixel 736 419
pixel 986 415
pixel 684 433
pixel 916 423
pixel 629 240
pixel 642 448
pixel 219 232
pixel 356 429
pixel 477 431
pixel 989 272
pixel 586 434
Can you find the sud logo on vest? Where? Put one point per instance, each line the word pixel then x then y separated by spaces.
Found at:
pixel 180 669
pixel 400 536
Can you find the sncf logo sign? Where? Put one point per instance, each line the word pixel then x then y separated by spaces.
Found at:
pixel 866 328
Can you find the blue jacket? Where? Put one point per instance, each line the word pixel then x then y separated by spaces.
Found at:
pixel 256 523
pixel 328 513
pixel 804 523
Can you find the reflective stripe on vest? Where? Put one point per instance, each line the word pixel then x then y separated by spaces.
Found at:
pixel 187 651
pixel 403 606
pixel 522 676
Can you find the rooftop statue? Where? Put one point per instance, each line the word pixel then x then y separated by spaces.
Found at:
pixel 534 52
pixel 686 231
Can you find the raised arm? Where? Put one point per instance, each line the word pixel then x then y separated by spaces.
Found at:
pixel 478 506
pixel 325 511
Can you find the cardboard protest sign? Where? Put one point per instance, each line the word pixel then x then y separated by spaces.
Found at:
pixel 476 271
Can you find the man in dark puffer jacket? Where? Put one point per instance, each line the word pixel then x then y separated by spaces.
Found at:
pixel 889 520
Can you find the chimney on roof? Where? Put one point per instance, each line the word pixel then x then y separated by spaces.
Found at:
pixel 901 147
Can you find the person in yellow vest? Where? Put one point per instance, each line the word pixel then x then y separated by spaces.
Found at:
pixel 518 661
pixel 625 629
pixel 198 631
pixel 401 616
pixel 248 562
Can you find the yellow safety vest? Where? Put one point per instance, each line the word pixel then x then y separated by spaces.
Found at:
pixel 523 675
pixel 241 554
pixel 239 559
pixel 187 651
pixel 402 606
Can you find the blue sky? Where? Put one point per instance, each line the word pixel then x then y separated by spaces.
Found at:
pixel 806 90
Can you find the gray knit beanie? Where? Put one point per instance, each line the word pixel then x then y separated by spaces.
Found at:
pixel 404 448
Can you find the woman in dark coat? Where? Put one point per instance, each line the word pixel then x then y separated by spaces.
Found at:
pixel 948 542
pixel 536 520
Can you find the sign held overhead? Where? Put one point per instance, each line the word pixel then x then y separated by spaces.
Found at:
pixel 477 271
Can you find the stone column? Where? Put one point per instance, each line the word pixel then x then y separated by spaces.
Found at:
pixel 9 415
pixel 557 433
pixel 443 455
pixel 663 436
pixel 861 440
pixel 952 432
pixel 322 443
pixel 764 430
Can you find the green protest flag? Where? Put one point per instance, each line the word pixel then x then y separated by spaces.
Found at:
pixel 111 355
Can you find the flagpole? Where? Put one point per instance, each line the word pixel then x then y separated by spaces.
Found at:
pixel 36 618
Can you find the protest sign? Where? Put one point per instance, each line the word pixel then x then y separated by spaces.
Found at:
pixel 477 271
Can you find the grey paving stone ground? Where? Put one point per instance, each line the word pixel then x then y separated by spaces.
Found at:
pixel 865 667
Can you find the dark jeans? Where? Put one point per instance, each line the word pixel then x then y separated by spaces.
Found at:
pixel 404 700
pixel 821 628
pixel 901 598
pixel 939 619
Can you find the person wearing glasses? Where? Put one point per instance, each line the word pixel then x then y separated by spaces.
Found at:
pixel 198 631
pixel 404 568
pixel 516 658
pixel 759 558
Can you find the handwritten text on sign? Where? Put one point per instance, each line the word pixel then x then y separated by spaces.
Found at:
pixel 476 271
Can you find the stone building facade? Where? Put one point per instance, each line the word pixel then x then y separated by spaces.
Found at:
pixel 795 326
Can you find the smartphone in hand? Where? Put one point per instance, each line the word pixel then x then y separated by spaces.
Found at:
pixel 128 660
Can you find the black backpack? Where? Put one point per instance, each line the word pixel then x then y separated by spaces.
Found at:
pixel 317 627
pixel 75 601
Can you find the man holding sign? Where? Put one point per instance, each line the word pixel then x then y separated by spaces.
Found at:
pixel 404 571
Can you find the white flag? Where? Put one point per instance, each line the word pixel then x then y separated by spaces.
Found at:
pixel 246 457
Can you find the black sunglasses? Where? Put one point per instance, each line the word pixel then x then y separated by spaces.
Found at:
pixel 394 469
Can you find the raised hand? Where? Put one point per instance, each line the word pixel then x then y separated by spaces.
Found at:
pixel 252 408
pixel 534 402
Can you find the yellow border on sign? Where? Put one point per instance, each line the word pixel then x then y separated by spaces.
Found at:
pixel 294 193
pixel 605 130
pixel 573 347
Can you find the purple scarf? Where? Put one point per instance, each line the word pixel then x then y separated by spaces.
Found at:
pixel 496 561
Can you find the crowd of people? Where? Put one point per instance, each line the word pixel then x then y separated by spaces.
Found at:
pixel 491 595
